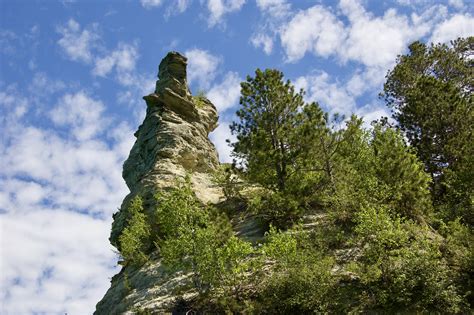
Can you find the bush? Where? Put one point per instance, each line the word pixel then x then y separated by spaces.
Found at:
pixel 276 208
pixel 300 282
pixel 458 249
pixel 197 239
pixel 136 235
pixel 401 267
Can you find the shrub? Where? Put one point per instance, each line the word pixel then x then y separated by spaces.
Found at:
pixel 276 208
pixel 197 239
pixel 401 267
pixel 135 236
pixel 300 281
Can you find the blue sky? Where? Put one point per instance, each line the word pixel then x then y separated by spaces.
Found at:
pixel 72 74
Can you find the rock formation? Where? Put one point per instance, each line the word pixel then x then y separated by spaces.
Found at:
pixel 171 142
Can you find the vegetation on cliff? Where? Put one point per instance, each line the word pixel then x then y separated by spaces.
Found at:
pixel 357 219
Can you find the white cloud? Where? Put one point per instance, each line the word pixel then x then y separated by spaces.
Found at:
pixel 12 106
pixel 6 42
pixel 123 59
pixel 219 8
pixel 264 41
pixel 457 26
pixel 371 112
pixel 82 113
pixel 354 34
pixel 413 2
pixel 225 94
pixel 53 262
pixel 18 44
pixel 274 14
pixel 44 86
pixel 423 4
pixel 82 46
pixel 219 137
pixel 83 176
pixel 458 4
pixel 314 30
pixel 357 84
pixel 376 41
pixel 56 258
pixel 148 4
pixel 174 7
pixel 76 43
pixel 341 97
pixel 182 5
pixel 274 8
pixel 331 95
pixel 177 7
pixel 202 67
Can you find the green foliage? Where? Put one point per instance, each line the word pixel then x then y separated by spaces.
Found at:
pixel 458 249
pixel 178 211
pixel 278 136
pixel 402 267
pixel 459 244
pixel 400 171
pixel 354 183
pixel 280 247
pixel 142 311
pixel 134 237
pixel 303 290
pixel 234 264
pixel 375 168
pixel 276 208
pixel 200 99
pixel 195 238
pixel 430 90
pixel 184 240
pixel 370 241
pixel 301 281
pixel 273 120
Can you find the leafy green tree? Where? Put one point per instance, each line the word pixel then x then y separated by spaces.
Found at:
pixel 134 238
pixel 273 121
pixel 430 91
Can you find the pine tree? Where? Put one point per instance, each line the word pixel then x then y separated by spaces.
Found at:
pixel 275 124
pixel 430 91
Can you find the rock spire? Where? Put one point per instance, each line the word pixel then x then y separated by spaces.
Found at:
pixel 171 142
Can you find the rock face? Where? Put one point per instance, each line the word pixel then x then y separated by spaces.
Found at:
pixel 171 142
pixel 174 135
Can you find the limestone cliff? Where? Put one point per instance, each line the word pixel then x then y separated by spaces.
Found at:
pixel 171 142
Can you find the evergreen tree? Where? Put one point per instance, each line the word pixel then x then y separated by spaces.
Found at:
pixel 430 91
pixel 400 174
pixel 275 124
